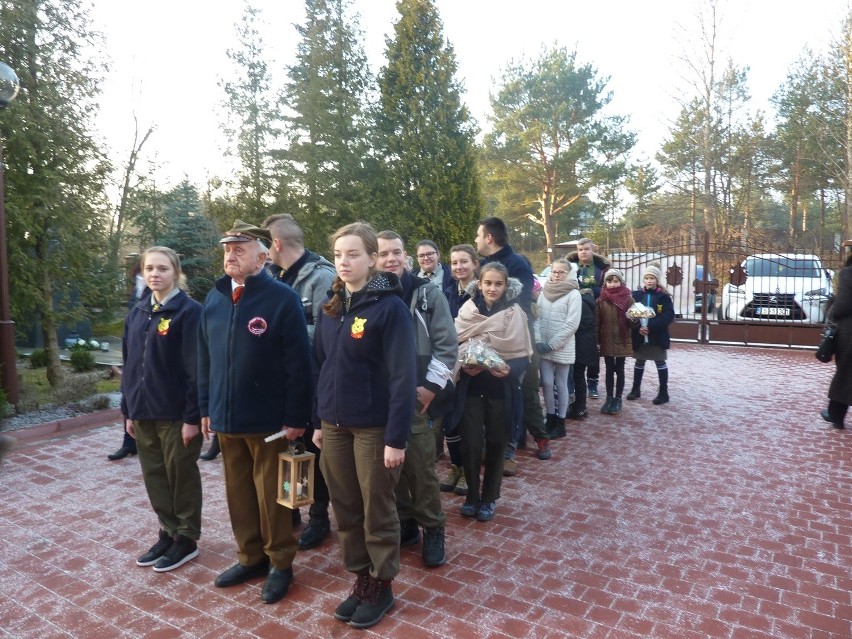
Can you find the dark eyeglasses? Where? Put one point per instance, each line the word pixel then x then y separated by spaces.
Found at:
pixel 429 254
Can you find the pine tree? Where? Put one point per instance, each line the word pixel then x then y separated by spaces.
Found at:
pixel 551 145
pixel 327 130
pixel 55 169
pixel 425 135
pixel 252 127
pixel 193 236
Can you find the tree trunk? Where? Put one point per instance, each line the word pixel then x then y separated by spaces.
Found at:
pixel 48 328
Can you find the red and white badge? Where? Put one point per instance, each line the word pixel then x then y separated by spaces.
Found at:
pixel 257 326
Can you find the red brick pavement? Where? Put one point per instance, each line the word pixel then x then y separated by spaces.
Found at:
pixel 724 514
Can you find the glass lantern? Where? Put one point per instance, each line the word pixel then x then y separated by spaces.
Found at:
pixel 296 476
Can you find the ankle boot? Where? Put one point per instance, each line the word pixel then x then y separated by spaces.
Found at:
pixel 662 396
pixel 377 600
pixel 637 383
pixel 557 428
pixel 615 406
pixel 607 404
pixel 212 452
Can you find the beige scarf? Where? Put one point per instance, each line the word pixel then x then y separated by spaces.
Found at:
pixel 552 291
pixel 506 331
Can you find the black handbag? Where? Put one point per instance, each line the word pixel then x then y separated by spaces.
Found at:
pixel 825 350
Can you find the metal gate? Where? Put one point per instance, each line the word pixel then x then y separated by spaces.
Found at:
pixel 744 294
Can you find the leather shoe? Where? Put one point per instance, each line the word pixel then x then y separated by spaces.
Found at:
pixel 121 453
pixel 277 584
pixel 827 417
pixel 237 574
pixel 213 451
pixel 315 532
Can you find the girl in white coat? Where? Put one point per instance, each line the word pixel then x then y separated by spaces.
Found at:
pixel 559 311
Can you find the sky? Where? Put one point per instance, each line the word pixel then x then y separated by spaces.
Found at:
pixel 167 57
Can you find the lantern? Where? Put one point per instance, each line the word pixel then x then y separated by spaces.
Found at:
pixel 296 476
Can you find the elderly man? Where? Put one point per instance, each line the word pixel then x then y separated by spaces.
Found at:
pixel 254 380
pixel 311 276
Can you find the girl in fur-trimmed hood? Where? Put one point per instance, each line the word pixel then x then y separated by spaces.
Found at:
pixel 489 396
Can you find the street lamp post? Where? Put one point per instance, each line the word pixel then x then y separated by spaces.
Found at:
pixel 9 86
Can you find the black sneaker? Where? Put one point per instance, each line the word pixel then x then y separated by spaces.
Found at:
pixel 433 547
pixel 182 550
pixel 156 552
pixel 378 600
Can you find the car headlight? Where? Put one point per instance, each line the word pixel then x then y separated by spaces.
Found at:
pixel 817 292
pixel 736 290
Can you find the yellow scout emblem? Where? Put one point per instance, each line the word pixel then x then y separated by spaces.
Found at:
pixel 358 327
pixel 163 326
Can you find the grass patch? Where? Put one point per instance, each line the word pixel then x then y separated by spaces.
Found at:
pixel 35 392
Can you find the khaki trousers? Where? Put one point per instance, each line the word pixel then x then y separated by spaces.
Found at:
pixel 362 497
pixel 262 527
pixel 418 493
pixel 171 475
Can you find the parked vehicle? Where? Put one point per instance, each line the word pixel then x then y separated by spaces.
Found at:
pixel 544 275
pixel 779 286
pixel 699 297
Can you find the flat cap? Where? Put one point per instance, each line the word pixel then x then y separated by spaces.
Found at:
pixel 245 232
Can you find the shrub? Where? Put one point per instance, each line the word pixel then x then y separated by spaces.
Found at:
pixel 75 387
pixel 82 361
pixel 38 359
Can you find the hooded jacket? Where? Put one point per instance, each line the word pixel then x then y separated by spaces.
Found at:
pixel 367 368
pixel 557 324
pixel 159 376
pixel 254 364
pixel 435 341
pixel 585 339
pixel 312 284
pixel 518 268
pixel 585 276
pixel 516 342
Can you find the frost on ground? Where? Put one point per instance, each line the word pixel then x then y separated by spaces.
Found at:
pixel 54 413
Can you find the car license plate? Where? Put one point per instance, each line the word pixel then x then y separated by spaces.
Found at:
pixel 772 310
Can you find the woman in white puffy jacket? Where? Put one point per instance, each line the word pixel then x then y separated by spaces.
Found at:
pixel 559 311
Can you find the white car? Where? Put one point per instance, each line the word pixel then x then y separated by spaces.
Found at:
pixel 778 286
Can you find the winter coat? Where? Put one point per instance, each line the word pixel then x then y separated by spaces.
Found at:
pixel 456 297
pixel 557 323
pixel 435 341
pixel 367 364
pixel 508 387
pixel 592 278
pixel 518 268
pixel 254 361
pixel 586 339
pixel 610 338
pixel 658 326
pixel 443 276
pixel 840 389
pixel 159 378
pixel 312 284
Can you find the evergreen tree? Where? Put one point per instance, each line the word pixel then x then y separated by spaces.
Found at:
pixel 550 144
pixel 425 135
pixel 252 126
pixel 55 202
pixel 193 236
pixel 327 150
